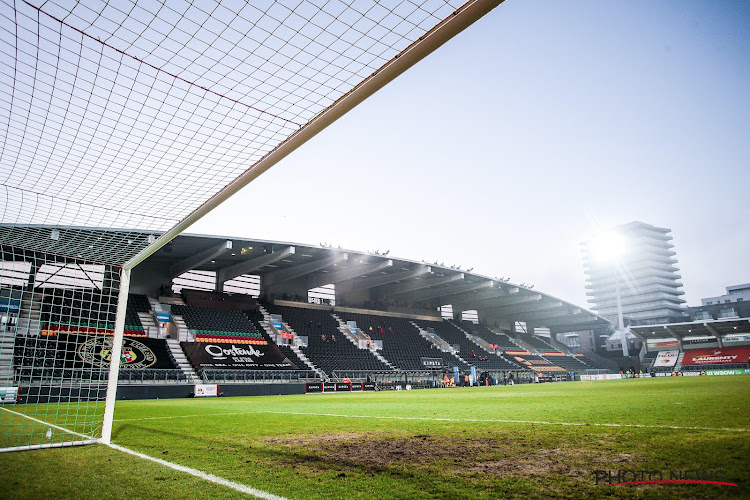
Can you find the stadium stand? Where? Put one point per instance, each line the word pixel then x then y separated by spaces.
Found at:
pixel 38 358
pixel 597 362
pixel 500 339
pixel 562 360
pixel 535 342
pixel 448 332
pixel 403 346
pixel 219 325
pixel 327 348
pixel 85 311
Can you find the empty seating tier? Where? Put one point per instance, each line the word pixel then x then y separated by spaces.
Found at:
pixel 500 339
pixel 403 346
pixel 327 348
pixel 219 325
pixel 468 350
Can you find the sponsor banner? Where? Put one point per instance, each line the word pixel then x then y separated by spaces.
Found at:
pixel 329 387
pixel 601 376
pixel 315 387
pixel 97 351
pixel 718 356
pixel 663 374
pixel 9 305
pixel 666 358
pixel 737 371
pixel 206 390
pixel 164 317
pixel 343 387
pixel 667 343
pixel 368 386
pixel 357 386
pixel 8 394
pixel 692 374
pixel 221 356
pixel 432 362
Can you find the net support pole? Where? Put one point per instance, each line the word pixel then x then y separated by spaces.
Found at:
pixel 114 364
pixel 462 18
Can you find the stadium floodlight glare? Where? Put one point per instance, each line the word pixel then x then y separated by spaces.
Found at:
pixel 609 248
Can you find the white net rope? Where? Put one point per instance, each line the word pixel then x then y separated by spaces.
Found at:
pixel 132 114
pixel 118 120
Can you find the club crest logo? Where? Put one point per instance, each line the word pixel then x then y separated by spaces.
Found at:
pixel 97 351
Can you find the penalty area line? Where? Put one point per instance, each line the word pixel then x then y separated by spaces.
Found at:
pixel 508 421
pixel 242 488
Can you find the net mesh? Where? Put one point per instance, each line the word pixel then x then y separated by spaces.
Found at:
pixel 126 116
pixel 132 114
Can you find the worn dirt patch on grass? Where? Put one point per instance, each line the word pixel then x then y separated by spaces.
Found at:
pixel 463 456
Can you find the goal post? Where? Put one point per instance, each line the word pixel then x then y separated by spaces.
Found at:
pixel 105 161
pixel 114 364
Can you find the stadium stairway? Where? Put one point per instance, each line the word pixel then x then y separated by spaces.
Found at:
pixel 436 339
pixel 149 323
pixel 440 342
pixel 293 346
pixel 678 364
pixel 182 362
pixel 266 326
pixel 475 339
pixel 345 331
pixel 7 341
pixel 524 345
pixel 30 316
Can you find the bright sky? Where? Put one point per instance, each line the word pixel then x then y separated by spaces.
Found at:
pixel 541 124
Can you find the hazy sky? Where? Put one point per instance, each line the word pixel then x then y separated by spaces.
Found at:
pixel 540 124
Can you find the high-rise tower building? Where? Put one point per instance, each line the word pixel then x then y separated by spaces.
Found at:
pixel 645 272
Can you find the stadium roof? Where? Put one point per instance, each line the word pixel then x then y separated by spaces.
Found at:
pixel 351 271
pixel 148 114
pixel 703 328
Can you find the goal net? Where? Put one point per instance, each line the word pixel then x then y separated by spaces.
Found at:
pixel 121 123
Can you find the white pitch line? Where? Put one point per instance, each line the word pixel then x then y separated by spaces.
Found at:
pixel 507 421
pixel 185 416
pixel 242 488
pixel 47 423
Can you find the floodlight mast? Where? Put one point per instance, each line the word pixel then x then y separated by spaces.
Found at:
pixel 620 321
pixel 609 247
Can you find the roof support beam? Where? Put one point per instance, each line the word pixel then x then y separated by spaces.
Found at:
pixel 413 286
pixel 291 273
pixel 356 270
pixel 250 265
pixel 499 306
pixel 519 310
pixel 453 290
pixel 474 300
pixel 715 334
pixel 675 335
pixel 540 317
pixel 199 259
pixel 574 326
pixel 384 279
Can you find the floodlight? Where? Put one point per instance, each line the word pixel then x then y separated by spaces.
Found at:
pixel 608 246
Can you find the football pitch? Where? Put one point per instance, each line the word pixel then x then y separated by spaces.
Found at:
pixel 553 440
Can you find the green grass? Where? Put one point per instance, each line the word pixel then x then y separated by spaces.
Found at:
pixel 442 443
